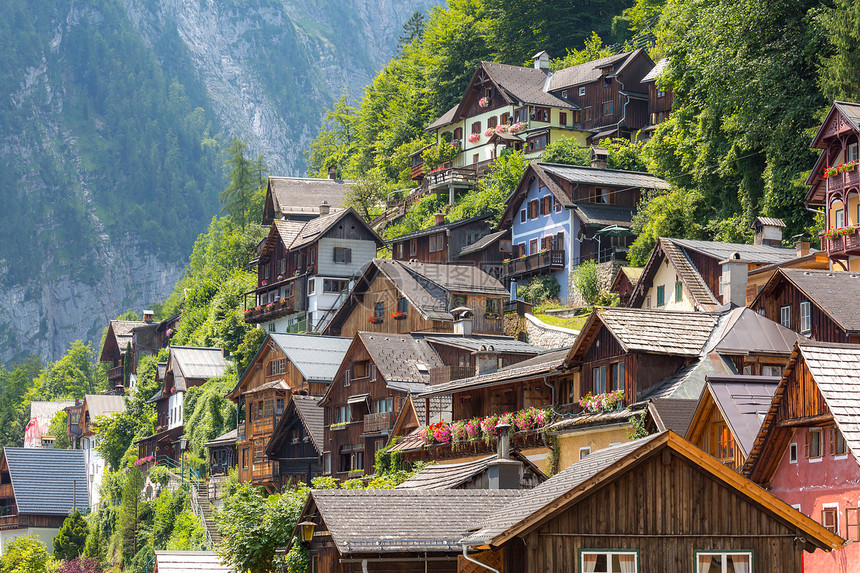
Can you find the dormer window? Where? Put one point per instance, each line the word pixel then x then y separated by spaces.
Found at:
pixel 607 81
pixel 564 94
pixel 582 91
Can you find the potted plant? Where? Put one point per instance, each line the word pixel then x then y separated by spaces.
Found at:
pixel 489 132
pixel 375 319
pixel 397 315
pixel 484 102
pixel 474 138
pixel 502 128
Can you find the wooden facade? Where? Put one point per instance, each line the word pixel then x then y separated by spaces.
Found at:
pixel 711 433
pixel 439 244
pixel 498 399
pixel 292 446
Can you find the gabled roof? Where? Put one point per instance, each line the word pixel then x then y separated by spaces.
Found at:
pixel 402 360
pixel 525 85
pixel 602 215
pixel 631 273
pixel 584 73
pixel 316 357
pixel 656 70
pixel 302 196
pixel 744 331
pixel 103 405
pixel 446 118
pixel 672 333
pixel 384 521
pixel 225 439
pixel 743 402
pixel 689 274
pixel 835 371
pixel 483 242
pixel 584 477
pixel 309 413
pixel 437 229
pixel 849 111
pixel 121 333
pixel 44 412
pixel 451 476
pixel 757 254
pixel 47 481
pixel 672 414
pixel 195 363
pixel 603 176
pixel 500 344
pixel 835 293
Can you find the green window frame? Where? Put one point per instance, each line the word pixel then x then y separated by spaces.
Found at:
pixel 661 295
pixel 679 291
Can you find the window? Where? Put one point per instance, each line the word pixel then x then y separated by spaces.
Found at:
pixel 805 317
pixel 837 442
pixel 342 255
pixel 608 561
pixel 771 370
pixel 852 523
pixel 785 315
pixel 413 246
pixel 852 152
pixel 724 562
pixel 537 143
pixel 488 93
pixel 504 118
pixel 268 408
pixel 523 216
pixel 582 91
pixel 541 114
pixel 437 242
pixel 616 375
pixel 384 405
pixel 724 443
pixel 379 309
pixel 400 250
pixel 814 449
pixel 562 118
pixel 792 453
pixel 279 407
pixel 372 373
pixel 475 158
pixel 661 295
pixel 830 519
pixel 661 93
pixel 312 284
pixel 533 247
pixel 458 134
pixel 458 300
pixel 334 286
pixel 564 94
pixel 546 205
pixel 492 122
pixel 679 291
pixel 402 305
pixel 589 114
pixel 327 462
pixel 602 196
pixel 271 327
pixel 558 206
pixel 245 458
pixel 342 414
pixel 533 209
pixel 505 246
pixel 840 217
pixel 476 127
pixel 608 108
pixel 347 377
pixel 493 306
pixel 584 452
pixel 598 379
pixel 607 81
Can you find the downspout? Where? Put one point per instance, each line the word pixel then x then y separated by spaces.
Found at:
pixel 364 566
pixel 476 562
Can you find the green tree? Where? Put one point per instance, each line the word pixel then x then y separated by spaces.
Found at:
pixel 24 555
pixel 129 514
pixel 72 537
pixel 249 347
pixel 673 214
pixel 367 195
pixel 15 381
pixel 838 75
pixel 586 281
pixel 413 29
pixel 59 429
pixel 72 376
pixel 566 152
pixel 115 434
pixel 242 198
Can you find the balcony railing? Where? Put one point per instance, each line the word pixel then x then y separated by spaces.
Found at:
pixel 842 180
pixel 845 245
pixel 378 422
pixel 8 521
pixel 552 259
pixel 448 373
pixel 270 311
pixel 453 176
pixel 115 373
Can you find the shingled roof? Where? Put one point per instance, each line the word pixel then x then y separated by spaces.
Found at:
pixel 102 405
pixel 195 363
pixel 525 85
pixel 584 73
pixel 603 176
pixel 302 196
pixel 437 228
pixel 402 360
pixel 384 521
pixel 483 243
pixel 688 273
pixel 451 476
pixel 312 417
pixel 48 481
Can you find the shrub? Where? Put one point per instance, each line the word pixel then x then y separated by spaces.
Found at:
pixel 585 281
pixel 539 289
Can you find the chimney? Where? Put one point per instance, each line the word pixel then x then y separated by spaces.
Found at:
pixel 801 248
pixel 440 218
pixel 463 322
pixel 486 359
pixel 768 231
pixel 147 316
pixel 541 60
pixel 325 209
pixel 734 279
pixel 332 171
pixel 503 472
pixel 599 157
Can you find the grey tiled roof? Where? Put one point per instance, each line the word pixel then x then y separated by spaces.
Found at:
pixel 516 510
pixel 195 363
pixel 122 331
pixel 382 521
pixel 437 228
pixel 675 414
pixel 446 476
pixel 609 177
pixel 101 405
pixel 836 293
pixel 457 278
pixel 189 562
pixel 759 254
pixel 316 357
pixel 446 118
pixel 583 73
pixel 224 439
pixel 398 356
pixel 47 481
pixel 526 85
pixel 482 243
pixel 663 332
pixel 687 383
pixel 743 402
pixel 745 331
pixel 501 344
pixel 312 417
pixel 656 70
pixel 298 195
pixel 288 230
pixel 602 215
pixel 44 412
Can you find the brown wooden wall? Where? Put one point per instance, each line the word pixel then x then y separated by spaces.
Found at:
pixel 824 329
pixel 702 432
pixel 422 250
pixel 624 196
pixel 500 399
pixel 801 398
pixel 679 505
pixel 709 268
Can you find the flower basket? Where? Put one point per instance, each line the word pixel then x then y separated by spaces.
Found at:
pixel 338 426
pixel 484 102
pixel 264 282
pixel 398 315
pixel 517 127
pixel 601 402
pixel 474 138
pixel 375 320
pixel 489 132
pixel 280 277
pixel 832 234
pixel 502 128
pixel 492 315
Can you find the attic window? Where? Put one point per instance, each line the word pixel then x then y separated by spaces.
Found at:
pixel 564 94
pixel 582 91
pixel 422 367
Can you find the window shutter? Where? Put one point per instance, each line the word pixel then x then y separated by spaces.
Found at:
pixel 806 453
pixel 832 441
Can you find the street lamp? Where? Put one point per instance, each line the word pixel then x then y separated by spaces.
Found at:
pixel 306 528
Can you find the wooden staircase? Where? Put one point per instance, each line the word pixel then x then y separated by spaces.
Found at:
pixel 206 512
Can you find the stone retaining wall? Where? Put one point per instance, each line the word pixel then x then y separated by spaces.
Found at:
pixel 547 336
pixel 605 273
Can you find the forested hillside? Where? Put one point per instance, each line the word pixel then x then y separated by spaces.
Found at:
pixel 113 129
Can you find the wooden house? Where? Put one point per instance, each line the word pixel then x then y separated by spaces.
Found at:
pixel 654 504
pixel 624 283
pixel 94 407
pixel 379 372
pixel 39 488
pixel 299 198
pixel 36 433
pixel 818 304
pixel 440 243
pixel 400 297
pixel 527 108
pixel 474 474
pixel 558 215
pixel 297 442
pixel 834 184
pixel 684 274
pixel 487 253
pixel 660 98
pixel 286 364
pixel 729 415
pixel 807 259
pixel 118 340
pixel 806 452
pixel 223 455
pixel 187 367
pixel 305 269
pixel 149 339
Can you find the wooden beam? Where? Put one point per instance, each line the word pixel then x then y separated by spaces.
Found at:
pixel 805 421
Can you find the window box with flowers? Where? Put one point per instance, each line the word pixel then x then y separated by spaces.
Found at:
pixel 474 138
pixel 280 277
pixel 264 282
pixel 338 426
pixel 602 402
pixel 492 315
pixel 838 169
pixel 517 127
pixel 831 234
pixel 397 315
pixel 375 319
pixel 475 429
pixel 489 132
pixel 502 128
pixel 484 102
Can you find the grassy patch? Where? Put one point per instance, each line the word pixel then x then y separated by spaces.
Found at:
pixel 574 323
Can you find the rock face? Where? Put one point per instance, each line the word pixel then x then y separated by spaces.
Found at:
pixel 99 202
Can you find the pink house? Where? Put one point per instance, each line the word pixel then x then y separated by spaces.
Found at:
pixel 807 450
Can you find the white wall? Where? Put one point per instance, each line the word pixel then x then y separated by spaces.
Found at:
pixel 174 405
pixel 362 253
pixel 95 468
pixel 44 534
pixel 666 276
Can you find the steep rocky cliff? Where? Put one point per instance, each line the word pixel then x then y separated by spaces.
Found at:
pixel 113 118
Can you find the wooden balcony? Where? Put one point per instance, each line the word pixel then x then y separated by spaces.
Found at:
pixel 449 373
pixel 549 260
pixel 842 180
pixel 453 177
pixel 378 422
pixel 115 373
pixel 843 247
pixel 6 490
pixel 270 311
pixel 9 521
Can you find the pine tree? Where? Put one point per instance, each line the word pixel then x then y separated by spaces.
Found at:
pixel 128 519
pixel 70 541
pixel 246 181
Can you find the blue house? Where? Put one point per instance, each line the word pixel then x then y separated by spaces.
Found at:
pixel 560 215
